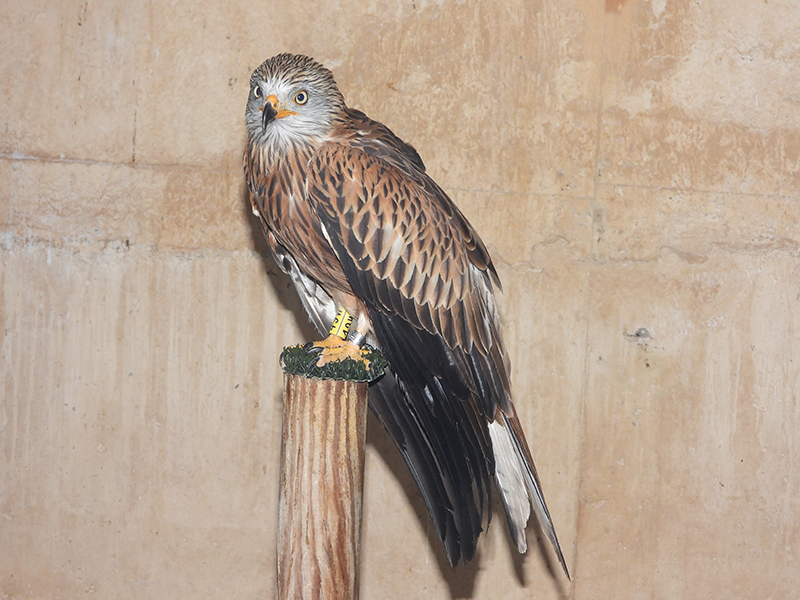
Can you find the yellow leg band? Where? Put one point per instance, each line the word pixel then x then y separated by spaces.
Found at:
pixel 341 324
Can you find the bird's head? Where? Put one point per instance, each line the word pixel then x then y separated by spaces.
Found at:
pixel 293 100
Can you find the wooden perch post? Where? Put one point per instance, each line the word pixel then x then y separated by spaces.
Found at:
pixel 322 474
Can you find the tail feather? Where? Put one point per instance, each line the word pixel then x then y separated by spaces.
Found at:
pixel 508 473
pixel 513 465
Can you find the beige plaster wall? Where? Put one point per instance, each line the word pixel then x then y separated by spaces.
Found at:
pixel 633 167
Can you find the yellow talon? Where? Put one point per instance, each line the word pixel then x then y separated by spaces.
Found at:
pixel 333 349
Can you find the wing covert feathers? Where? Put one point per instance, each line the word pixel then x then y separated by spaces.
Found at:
pixel 415 253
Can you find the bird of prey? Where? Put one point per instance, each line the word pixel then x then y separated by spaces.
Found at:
pixel 359 226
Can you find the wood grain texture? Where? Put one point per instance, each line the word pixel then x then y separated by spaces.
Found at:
pixel 322 476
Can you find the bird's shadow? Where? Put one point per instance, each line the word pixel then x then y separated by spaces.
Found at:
pixel 460 579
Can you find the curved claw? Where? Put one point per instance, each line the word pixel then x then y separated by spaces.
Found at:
pixel 334 349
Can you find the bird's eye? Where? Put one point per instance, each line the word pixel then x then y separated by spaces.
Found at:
pixel 301 97
pixel 257 92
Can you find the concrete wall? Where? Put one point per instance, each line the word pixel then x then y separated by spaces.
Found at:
pixel 633 167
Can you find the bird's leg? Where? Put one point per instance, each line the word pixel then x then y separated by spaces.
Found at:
pixel 342 343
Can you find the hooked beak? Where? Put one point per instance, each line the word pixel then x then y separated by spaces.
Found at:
pixel 271 111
